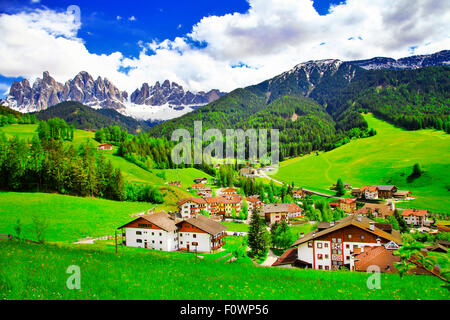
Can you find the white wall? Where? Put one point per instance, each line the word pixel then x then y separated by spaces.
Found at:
pixel 156 239
pixel 203 239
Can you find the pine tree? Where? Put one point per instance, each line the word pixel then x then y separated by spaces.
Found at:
pixel 340 188
pixel 257 236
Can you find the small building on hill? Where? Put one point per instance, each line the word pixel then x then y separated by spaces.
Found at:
pixel 201 180
pixel 386 192
pixel 248 172
pixel 378 210
pixel 415 217
pixel 105 146
pixel 403 194
pixel 298 194
pixel 279 212
pixel 254 203
pixel 370 192
pixel 347 205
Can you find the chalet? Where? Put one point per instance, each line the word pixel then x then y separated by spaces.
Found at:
pixel 347 205
pixel 378 210
pixel 200 234
pixel 347 186
pixel 155 231
pixel 202 180
pixel 386 192
pixel 190 207
pixel 278 212
pixel 222 205
pixel 202 189
pixel 105 146
pixel 370 192
pixel 332 248
pixel 415 217
pixel 174 183
pixel 159 231
pixel 298 194
pixel 356 192
pixel 229 191
pixel 254 203
pixel 402 194
pixel 248 172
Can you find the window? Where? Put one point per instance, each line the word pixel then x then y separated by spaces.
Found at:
pixel 319 257
pixel 310 244
pixel 160 234
pixel 355 247
pixel 326 245
pixel 349 236
pixel 160 242
pixel 138 233
pixel 327 268
pixel 334 251
pixel 138 240
pixel 195 236
pixel 362 236
pixel 347 246
pixel 320 267
pixel 333 240
pixel 153 233
pixel 326 256
pixel 181 242
pixel 181 234
pixel 319 246
pixel 347 257
pixel 153 241
pixel 339 240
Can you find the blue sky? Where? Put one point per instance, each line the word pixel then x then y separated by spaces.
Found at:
pixel 142 36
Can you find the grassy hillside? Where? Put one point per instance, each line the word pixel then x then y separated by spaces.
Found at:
pixel 386 158
pixel 68 218
pixel 151 275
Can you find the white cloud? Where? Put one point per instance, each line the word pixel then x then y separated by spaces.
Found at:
pixel 272 37
pixel 118 18
pixel 132 18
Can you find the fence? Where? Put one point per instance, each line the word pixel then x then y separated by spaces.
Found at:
pixel 10 237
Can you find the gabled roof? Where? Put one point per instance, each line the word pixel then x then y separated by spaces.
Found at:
pixel 347 200
pixel 195 200
pixel 383 209
pixel 370 188
pixel 209 226
pixel 364 224
pixel 229 190
pixel 385 188
pixel 288 257
pixel 402 193
pixel 159 219
pixel 281 207
pixel 414 212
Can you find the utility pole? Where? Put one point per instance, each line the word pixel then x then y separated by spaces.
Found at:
pixel 115 237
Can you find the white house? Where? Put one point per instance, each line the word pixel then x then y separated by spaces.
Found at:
pixel 156 231
pixel 332 248
pixel 370 193
pixel 415 217
pixel 200 234
pixel 190 207
pixel 159 231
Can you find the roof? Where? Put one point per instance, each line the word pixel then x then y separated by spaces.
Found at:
pixel 160 219
pixel 347 200
pixel 348 221
pixel 379 256
pixel 210 226
pixel 281 207
pixel 442 228
pixel 415 212
pixel 288 257
pixel 369 188
pixel 385 188
pixel 383 209
pixel 402 193
pixel 195 200
pixel 438 248
pixel 253 199
pixel 105 144
pixel 227 190
pixel 199 185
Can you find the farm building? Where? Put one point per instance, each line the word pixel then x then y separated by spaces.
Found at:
pixel 415 217
pixel 105 146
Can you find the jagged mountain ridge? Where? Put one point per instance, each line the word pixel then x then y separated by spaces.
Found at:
pixel 103 94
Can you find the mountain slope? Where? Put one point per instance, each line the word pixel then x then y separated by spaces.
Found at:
pixel 83 117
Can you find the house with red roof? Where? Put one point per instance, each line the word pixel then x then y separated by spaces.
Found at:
pixel 415 217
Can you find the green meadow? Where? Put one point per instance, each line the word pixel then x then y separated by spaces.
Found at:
pixel 386 158
pixel 38 272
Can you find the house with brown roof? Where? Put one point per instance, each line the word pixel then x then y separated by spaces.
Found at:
pixel 221 205
pixel 201 180
pixel 254 203
pixel 378 210
pixel 105 146
pixel 386 191
pixel 332 247
pixel 155 231
pixel 229 191
pixel 279 212
pixel 298 194
pixel 347 205
pixel 200 234
pixel 415 217
pixel 160 231
pixel 370 192
pixel 403 194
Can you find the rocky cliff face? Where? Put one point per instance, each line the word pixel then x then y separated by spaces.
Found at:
pixel 102 94
pixel 47 92
pixel 172 94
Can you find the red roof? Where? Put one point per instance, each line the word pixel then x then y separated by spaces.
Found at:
pixel 371 189
pixel 414 212
pixel 347 200
pixel 229 190
pixel 195 200
pixel 105 145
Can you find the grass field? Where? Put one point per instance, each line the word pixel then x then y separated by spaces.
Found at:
pixel 39 272
pixel 69 218
pixel 386 158
pixel 235 226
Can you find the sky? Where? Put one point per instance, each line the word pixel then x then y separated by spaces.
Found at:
pixel 204 44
